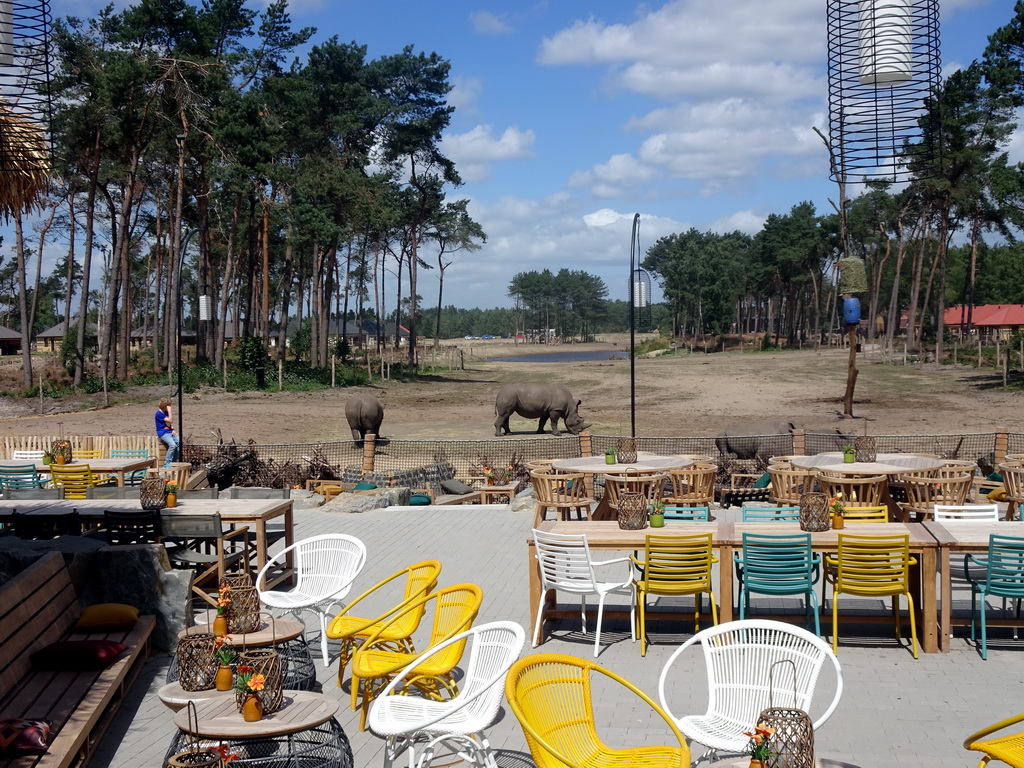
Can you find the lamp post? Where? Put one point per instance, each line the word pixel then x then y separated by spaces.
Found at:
pixel 634 254
pixel 181 265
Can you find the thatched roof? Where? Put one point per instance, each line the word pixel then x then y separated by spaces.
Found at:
pixel 24 163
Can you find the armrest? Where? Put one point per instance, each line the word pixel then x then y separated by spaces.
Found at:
pixel 992 729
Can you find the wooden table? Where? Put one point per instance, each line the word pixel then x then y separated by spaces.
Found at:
pixel 118 467
pixel 596 465
pixel 255 513
pixel 961 537
pixel 728 538
pixel 489 494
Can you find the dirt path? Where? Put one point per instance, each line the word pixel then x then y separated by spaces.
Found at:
pixel 676 395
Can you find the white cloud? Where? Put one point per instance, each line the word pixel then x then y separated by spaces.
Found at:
pixel 744 221
pixel 486 23
pixel 475 150
pixel 464 93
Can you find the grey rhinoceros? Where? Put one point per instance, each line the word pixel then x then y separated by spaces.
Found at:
pixel 538 401
pixel 753 440
pixel 364 414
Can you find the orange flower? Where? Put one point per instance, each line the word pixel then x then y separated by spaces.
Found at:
pixel 221 639
pixel 256 682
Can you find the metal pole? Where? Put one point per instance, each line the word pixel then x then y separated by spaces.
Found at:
pixel 634 253
pixel 181 265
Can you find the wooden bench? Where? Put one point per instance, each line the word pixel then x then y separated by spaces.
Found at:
pixel 38 607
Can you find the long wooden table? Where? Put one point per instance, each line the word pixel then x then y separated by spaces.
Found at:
pixel 596 465
pixel 960 537
pixel 255 513
pixel 728 538
pixel 117 467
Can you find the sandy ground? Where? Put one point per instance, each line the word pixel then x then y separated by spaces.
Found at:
pixel 679 395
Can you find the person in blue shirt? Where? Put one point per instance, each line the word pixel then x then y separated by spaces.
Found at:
pixel 165 431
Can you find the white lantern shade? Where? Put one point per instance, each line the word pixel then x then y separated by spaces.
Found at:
pixel 6 34
pixel 205 307
pixel 886 34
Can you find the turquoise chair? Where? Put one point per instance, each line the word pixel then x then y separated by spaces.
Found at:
pixel 136 477
pixel 16 477
pixel 700 514
pixel 767 514
pixel 1004 577
pixel 779 564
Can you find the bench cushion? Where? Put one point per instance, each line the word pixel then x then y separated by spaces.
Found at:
pixel 76 655
pixel 106 616
pixel 21 736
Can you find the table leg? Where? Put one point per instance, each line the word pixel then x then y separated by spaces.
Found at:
pixel 928 601
pixel 289 539
pixel 120 479
pixel 604 510
pixel 946 595
pixel 725 599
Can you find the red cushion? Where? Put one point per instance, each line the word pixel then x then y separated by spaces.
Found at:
pixel 24 737
pixel 78 655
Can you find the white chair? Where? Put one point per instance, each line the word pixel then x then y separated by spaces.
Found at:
pixel 408 722
pixel 27 455
pixel 738 657
pixel 325 567
pixel 566 565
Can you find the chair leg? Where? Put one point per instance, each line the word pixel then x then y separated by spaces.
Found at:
pixel 835 623
pixel 642 622
pixel 537 625
pixel 583 614
pixel 984 630
pixel 894 601
pixel 743 603
pixel 600 620
pixel 714 609
pixel 913 622
pixel 323 637
pixel 811 597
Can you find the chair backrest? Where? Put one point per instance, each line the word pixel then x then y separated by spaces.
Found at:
pixel 564 489
pixel 868 565
pixel 700 513
pixel 788 485
pixel 193 525
pixel 754 513
pixel 326 564
pixel 235 492
pixel 125 453
pixel 130 527
pixel 81 454
pixel 776 559
pixel 75 479
pixel 677 564
pixel 738 658
pixel 693 485
pixel 25 494
pixel 565 561
pixel 1013 479
pixel 856 491
pixel 29 526
pixel 950 513
pixel 879 514
pixel 925 492
pixel 112 492
pixel 178 473
pixel 650 484
pixel 1004 574
pixel 199 493
pixel 16 476
pixel 27 455
pixel 493 648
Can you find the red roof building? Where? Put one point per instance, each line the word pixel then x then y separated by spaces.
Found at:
pixel 997 320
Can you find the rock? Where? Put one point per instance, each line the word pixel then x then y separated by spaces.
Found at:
pixel 524 502
pixel 364 501
pixel 306 499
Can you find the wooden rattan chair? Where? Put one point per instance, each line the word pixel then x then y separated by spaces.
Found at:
pixel 650 484
pixel 692 486
pixel 923 493
pixel 788 485
pixel 1013 481
pixel 563 493
pixel 856 491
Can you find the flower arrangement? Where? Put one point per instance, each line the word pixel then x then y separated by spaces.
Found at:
pixel 171 488
pixel 225 756
pixel 248 682
pixel 222 652
pixel 658 507
pixel 836 505
pixel 758 746
pixel 223 601
pixel 500 475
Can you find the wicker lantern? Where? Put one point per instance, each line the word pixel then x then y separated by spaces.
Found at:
pixel 632 510
pixel 626 453
pixel 236 579
pixel 864 448
pixel 243 610
pixel 195 755
pixel 266 662
pixel 814 514
pixel 792 743
pixel 197 667
pixel 153 493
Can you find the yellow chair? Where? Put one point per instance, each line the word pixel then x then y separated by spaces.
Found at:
pixel 673 566
pixel 1005 749
pixel 866 514
pixel 872 566
pixel 376 661
pixel 81 454
pixel 75 479
pixel 420 580
pixel 550 694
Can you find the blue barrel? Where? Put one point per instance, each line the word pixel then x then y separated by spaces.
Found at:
pixel 851 310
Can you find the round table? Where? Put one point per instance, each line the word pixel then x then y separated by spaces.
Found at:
pixel 286 635
pixel 175 697
pixel 884 463
pixel 596 465
pixel 743 762
pixel 302 732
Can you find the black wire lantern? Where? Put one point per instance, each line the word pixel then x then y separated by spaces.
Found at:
pixel 25 102
pixel 640 289
pixel 883 67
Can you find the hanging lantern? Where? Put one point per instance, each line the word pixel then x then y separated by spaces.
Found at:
pixel 883 67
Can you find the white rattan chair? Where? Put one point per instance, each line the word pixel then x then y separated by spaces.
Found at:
pixel 325 567
pixel 738 657
pixel 566 565
pixel 415 722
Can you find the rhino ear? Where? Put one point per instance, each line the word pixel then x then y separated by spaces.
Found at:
pixel 579 403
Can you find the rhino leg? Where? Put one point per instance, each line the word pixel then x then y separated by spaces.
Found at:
pixel 357 434
pixel 554 425
pixel 501 423
pixel 540 424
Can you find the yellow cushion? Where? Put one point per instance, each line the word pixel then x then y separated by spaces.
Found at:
pixel 997 495
pixel 108 616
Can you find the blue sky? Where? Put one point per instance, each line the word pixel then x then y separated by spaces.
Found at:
pixel 571 117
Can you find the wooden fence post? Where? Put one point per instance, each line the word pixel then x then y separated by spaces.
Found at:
pixel 369 449
pixel 799 443
pixel 1002 444
pixel 586 447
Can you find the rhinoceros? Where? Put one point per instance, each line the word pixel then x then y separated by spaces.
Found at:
pixel 364 414
pixel 538 401
pixel 753 440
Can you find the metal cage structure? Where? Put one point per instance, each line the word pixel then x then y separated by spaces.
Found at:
pixel 883 68
pixel 640 290
pixel 25 102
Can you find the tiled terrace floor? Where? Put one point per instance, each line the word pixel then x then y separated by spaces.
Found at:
pixel 895 711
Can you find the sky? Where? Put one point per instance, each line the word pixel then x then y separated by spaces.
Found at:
pixel 571 117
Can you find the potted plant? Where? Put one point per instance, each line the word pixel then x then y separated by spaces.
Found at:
pixel 758 746
pixel 249 685
pixel 220 624
pixel 47 457
pixel 172 494
pixel 849 454
pixel 609 456
pixel 658 514
pixel 837 509
pixel 224 654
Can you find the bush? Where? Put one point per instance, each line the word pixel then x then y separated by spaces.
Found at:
pixel 252 353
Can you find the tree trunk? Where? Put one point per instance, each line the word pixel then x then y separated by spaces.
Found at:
pixel 26 324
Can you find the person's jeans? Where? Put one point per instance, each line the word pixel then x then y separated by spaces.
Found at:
pixel 173 443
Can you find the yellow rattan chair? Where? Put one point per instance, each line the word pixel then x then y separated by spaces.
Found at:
pixel 872 566
pixel 1005 749
pixel 376 661
pixel 673 566
pixel 420 580
pixel 550 694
